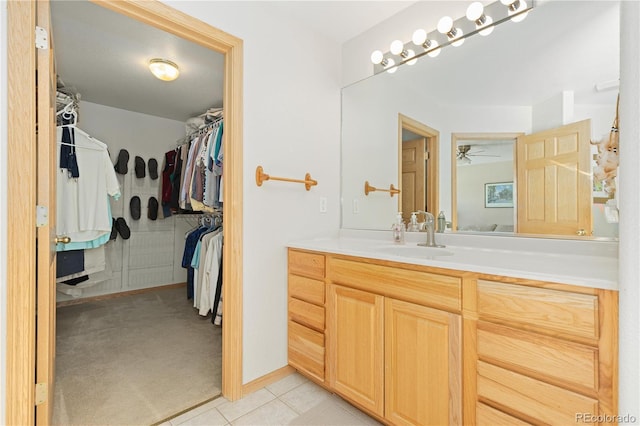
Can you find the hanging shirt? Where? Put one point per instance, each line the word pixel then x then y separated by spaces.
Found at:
pixel 82 203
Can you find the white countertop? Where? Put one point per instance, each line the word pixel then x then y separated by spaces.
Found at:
pixel 594 264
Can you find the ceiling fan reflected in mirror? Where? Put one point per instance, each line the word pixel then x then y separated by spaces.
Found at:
pixel 463 154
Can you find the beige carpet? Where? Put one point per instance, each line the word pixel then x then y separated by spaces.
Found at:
pixel 134 360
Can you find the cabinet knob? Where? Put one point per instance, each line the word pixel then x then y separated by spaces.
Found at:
pixel 63 239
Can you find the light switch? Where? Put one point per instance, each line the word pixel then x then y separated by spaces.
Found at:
pixel 323 204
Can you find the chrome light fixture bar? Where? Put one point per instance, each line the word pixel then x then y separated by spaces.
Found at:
pixel 479 19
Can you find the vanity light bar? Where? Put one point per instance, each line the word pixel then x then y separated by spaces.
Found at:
pixel 479 19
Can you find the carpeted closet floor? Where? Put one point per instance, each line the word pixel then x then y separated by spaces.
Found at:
pixel 134 360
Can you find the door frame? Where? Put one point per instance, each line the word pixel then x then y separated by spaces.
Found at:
pixel 485 137
pixel 433 170
pixel 21 195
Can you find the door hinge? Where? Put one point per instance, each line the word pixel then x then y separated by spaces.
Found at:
pixel 426 155
pixel 42 38
pixel 41 393
pixel 42 216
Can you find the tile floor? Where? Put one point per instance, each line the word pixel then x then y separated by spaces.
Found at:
pixel 293 400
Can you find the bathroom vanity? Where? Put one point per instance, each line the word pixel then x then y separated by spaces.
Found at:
pixel 440 336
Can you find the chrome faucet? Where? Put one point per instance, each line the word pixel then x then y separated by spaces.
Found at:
pixel 429 226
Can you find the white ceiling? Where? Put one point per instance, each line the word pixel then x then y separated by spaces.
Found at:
pixel 104 55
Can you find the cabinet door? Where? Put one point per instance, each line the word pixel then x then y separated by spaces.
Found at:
pixel 356 346
pixel 423 381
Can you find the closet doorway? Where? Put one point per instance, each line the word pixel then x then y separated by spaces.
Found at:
pixel 21 306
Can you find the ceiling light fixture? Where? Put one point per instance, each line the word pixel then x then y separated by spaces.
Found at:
pixel 480 19
pixel 475 13
pixel 164 69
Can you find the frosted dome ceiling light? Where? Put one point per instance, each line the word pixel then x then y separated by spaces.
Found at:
pixel 164 69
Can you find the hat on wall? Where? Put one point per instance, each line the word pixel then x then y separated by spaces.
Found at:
pixel 134 207
pixel 153 168
pixel 121 164
pixel 152 208
pixel 140 166
pixel 123 229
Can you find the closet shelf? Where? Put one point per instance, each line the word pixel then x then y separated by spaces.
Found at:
pixel 261 176
pixel 368 188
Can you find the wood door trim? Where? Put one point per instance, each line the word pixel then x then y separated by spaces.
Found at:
pixel 21 195
pixel 189 28
pixel 21 228
pixel 433 146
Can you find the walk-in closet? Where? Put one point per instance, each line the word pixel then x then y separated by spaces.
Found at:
pixel 139 219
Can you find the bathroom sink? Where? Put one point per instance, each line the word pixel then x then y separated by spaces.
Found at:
pixel 414 251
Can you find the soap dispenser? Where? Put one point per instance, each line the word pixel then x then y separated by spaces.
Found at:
pixel 442 222
pixel 398 229
pixel 413 223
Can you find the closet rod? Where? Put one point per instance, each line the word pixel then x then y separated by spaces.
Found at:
pixel 201 129
pixel 81 147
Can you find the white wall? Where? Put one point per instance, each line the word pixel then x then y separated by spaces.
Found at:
pixel 3 204
pixel 291 127
pixel 629 264
pixel 151 257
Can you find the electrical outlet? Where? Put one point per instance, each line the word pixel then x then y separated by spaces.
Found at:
pixel 323 204
pixel 356 206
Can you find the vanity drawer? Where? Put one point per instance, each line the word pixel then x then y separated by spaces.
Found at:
pixel 307 314
pixel 306 289
pixel 424 288
pixel 554 310
pixel 541 356
pixel 531 398
pixel 306 264
pixel 489 416
pixel 306 350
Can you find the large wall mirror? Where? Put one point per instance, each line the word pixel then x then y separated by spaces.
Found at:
pixel 493 102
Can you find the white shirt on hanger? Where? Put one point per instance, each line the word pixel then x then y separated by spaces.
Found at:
pixel 82 203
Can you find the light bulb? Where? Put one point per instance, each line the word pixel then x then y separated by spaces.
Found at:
pixel 434 50
pixel 445 24
pixel 164 69
pixel 376 57
pixel 458 38
pixel 411 57
pixel 522 16
pixel 487 27
pixel 389 66
pixel 419 37
pixel 396 47
pixel 516 6
pixel 475 11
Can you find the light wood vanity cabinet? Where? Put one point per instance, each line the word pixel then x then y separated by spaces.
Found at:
pixel 306 315
pixel 399 341
pixel 394 340
pixel 545 353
